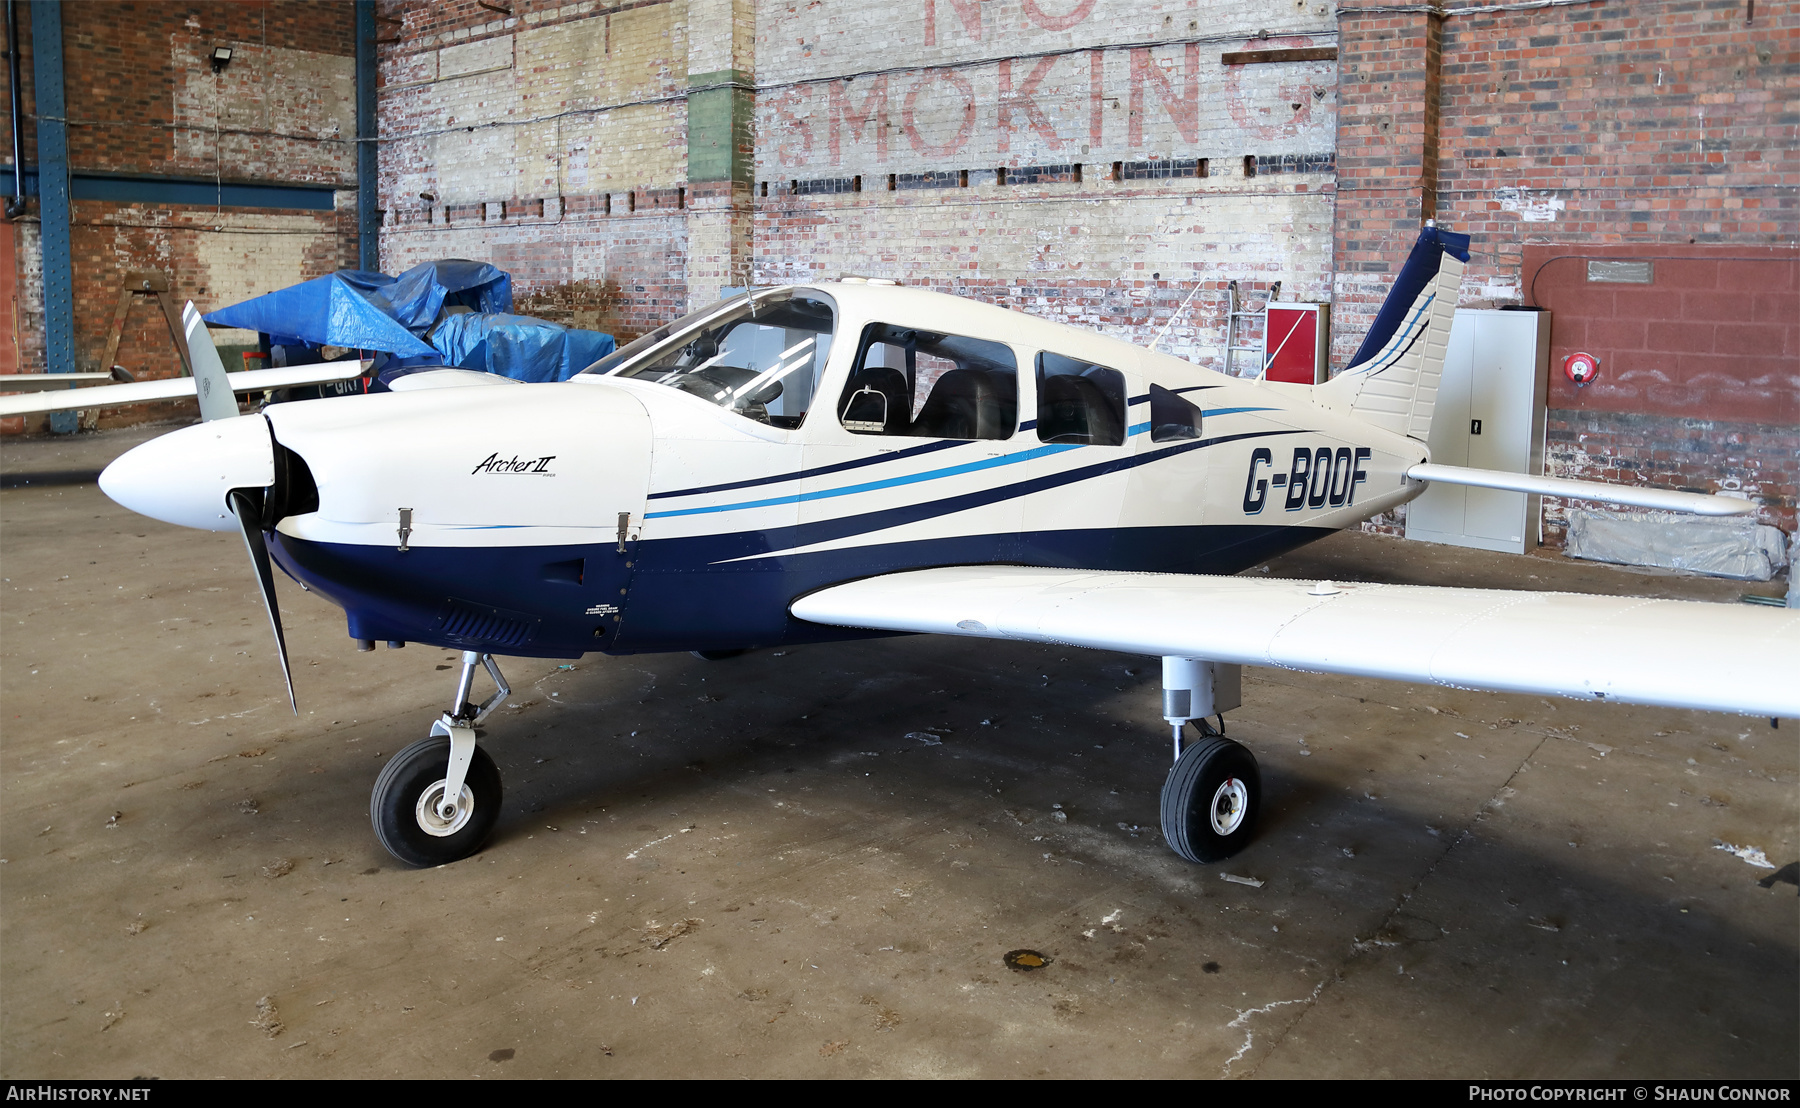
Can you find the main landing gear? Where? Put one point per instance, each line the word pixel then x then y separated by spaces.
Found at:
pixel 438 800
pixel 1211 797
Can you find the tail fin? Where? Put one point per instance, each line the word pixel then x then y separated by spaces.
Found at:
pixel 1393 380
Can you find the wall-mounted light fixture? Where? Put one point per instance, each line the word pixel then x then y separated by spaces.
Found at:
pixel 428 197
pixel 221 57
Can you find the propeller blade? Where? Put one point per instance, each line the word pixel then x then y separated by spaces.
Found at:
pixel 210 384
pixel 250 519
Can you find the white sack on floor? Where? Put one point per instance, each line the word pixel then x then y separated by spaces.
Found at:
pixel 1733 546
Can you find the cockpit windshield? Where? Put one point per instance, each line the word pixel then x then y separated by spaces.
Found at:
pixel 760 356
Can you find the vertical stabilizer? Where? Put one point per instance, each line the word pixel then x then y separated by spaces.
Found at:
pixel 1393 380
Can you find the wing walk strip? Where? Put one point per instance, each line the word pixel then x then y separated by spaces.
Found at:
pixel 809 534
pixel 1668 653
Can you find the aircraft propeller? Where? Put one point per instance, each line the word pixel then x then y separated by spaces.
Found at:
pixel 217 401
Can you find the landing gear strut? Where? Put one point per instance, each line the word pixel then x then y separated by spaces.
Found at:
pixel 438 799
pixel 1211 797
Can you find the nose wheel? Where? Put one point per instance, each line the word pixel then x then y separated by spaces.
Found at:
pixel 437 800
pixel 408 810
pixel 1210 800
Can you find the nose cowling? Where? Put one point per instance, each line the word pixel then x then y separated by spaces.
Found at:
pixel 185 476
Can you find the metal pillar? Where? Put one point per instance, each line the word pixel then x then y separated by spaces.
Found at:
pixel 368 189
pixel 53 198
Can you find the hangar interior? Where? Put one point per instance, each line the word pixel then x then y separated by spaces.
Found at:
pixel 1452 883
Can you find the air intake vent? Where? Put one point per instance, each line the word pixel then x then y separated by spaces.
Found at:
pixel 478 626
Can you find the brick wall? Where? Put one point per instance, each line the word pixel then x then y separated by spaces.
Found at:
pixel 1040 156
pixel 1755 460
pixel 142 99
pixel 573 261
pixel 1699 384
pixel 552 143
pixel 1091 160
pixel 593 111
pixel 1644 129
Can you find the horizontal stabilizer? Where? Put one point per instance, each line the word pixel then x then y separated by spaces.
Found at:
pixel 175 388
pixel 1672 653
pixel 1668 500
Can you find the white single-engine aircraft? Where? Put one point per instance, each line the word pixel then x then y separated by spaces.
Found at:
pixel 833 461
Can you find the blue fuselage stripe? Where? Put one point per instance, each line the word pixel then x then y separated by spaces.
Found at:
pixel 819 471
pixel 870 486
pixel 743 544
pixel 898 455
pixel 895 482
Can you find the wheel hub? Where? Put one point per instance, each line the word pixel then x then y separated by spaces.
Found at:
pixel 432 819
pixel 1229 804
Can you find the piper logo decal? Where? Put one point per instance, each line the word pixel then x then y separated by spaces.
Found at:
pixel 1314 478
pixel 533 466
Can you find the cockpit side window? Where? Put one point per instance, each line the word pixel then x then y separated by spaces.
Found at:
pixel 925 384
pixel 761 360
pixel 1079 403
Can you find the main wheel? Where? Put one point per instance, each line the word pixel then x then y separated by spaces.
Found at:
pixel 403 806
pixel 1210 800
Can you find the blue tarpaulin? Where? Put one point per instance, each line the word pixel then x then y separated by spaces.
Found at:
pixel 371 311
pixel 401 316
pixel 518 346
pixel 339 309
pixel 419 294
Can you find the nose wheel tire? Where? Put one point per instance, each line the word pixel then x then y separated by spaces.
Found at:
pixel 1210 800
pixel 405 805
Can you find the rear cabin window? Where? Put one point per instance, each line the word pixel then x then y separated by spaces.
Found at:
pixel 926 384
pixel 1172 417
pixel 1079 403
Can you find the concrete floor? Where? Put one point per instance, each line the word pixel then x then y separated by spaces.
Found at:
pixel 746 868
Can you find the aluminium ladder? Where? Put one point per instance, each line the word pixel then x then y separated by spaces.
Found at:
pixel 1239 319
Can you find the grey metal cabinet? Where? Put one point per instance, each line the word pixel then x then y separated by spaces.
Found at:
pixel 1489 415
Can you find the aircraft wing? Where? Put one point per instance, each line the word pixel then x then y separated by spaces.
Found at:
pixel 1673 653
pixel 41 382
pixel 173 388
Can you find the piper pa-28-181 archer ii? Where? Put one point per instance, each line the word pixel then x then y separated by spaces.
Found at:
pixel 849 459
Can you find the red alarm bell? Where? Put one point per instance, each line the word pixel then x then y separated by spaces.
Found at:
pixel 1581 368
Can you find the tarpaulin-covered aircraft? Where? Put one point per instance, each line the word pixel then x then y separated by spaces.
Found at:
pixel 838 460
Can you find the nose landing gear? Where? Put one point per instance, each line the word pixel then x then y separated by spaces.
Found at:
pixel 438 799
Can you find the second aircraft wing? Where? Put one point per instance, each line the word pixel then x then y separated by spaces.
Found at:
pixel 171 388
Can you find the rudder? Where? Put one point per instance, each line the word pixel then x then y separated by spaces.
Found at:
pixel 1392 381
